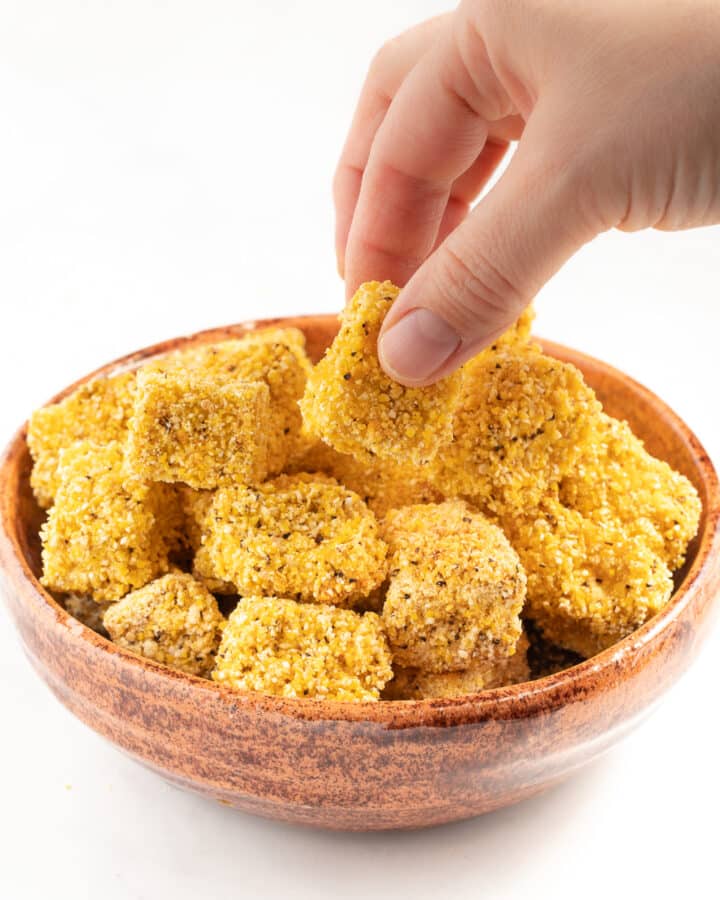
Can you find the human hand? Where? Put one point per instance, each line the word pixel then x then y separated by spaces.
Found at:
pixel 616 107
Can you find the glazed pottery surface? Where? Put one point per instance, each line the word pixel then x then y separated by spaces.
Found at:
pixel 367 765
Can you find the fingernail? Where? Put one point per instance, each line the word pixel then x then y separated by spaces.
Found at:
pixel 417 346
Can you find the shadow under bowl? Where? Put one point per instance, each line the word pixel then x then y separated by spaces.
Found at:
pixel 368 765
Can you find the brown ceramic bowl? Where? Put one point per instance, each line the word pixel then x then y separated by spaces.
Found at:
pixel 367 765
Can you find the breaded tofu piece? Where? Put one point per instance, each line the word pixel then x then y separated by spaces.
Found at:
pixel 413 684
pixel 291 649
pixel 107 532
pixel 195 506
pixel 455 588
pixel 590 583
pixel 174 621
pixel 275 356
pixel 87 611
pixel 195 430
pixel 382 483
pixel 617 478
pixel 351 404
pixel 518 334
pixel 521 427
pixel 301 536
pixel 97 411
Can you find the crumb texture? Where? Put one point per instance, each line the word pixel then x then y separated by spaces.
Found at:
pixel 381 483
pixel 98 411
pixel 104 535
pixel 273 356
pixel 522 424
pixel 365 540
pixel 455 588
pixel 590 583
pixel 414 684
pixel 193 430
pixel 351 404
pixel 173 620
pixel 291 649
pixel 302 536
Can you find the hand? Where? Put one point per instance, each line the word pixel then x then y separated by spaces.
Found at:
pixel 616 107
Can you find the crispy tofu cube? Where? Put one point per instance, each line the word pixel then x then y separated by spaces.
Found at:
pixel 520 331
pixel 298 536
pixel 413 684
pixel 351 404
pixel 174 621
pixel 455 588
pixel 617 478
pixel 195 506
pixel 274 356
pixel 105 535
pixel 383 484
pixel 590 582
pixel 522 424
pixel 198 431
pixel 97 411
pixel 517 335
pixel 291 649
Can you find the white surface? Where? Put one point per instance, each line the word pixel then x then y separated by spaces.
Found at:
pixel 166 167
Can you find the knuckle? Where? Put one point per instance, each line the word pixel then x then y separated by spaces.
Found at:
pixel 486 14
pixel 383 56
pixel 346 177
pixel 475 294
pixel 480 85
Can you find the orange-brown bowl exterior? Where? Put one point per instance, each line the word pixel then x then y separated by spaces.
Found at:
pixel 369 765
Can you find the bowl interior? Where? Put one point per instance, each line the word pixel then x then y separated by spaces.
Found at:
pixel 664 434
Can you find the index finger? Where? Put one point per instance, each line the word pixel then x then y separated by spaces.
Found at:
pixel 435 128
pixel 387 72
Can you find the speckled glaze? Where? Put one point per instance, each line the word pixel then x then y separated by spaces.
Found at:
pixel 372 765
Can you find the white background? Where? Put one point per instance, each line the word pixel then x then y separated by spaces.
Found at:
pixel 166 167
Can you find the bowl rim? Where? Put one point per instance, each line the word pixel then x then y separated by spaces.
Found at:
pixel 514 701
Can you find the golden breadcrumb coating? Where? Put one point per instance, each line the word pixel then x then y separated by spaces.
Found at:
pixel 275 356
pixel 301 536
pixel 351 404
pixel 382 483
pixel 195 430
pixel 87 611
pixel 522 424
pixel 168 465
pixel 455 591
pixel 617 478
pixel 104 535
pixel 590 583
pixel 173 620
pixel 97 411
pixel 518 333
pixel 412 684
pixel 291 649
pixel 195 506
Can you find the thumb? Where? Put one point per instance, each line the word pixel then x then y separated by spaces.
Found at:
pixel 476 284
